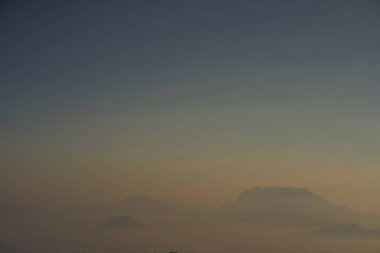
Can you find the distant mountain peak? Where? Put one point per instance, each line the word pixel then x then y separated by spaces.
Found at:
pixel 121 222
pixel 140 205
pixel 277 192
pixel 350 230
pixel 287 206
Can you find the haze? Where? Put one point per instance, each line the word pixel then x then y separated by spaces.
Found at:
pixel 193 103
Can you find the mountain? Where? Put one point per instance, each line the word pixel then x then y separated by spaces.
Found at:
pixel 153 211
pixel 287 206
pixel 350 230
pixel 122 222
pixel 140 205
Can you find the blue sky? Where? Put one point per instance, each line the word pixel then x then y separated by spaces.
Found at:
pixel 143 84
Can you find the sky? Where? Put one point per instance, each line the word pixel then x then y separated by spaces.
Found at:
pixel 193 101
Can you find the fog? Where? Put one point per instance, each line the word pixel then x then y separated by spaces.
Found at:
pixel 202 126
pixel 146 224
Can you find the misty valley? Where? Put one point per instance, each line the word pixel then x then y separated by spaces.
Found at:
pixel 262 219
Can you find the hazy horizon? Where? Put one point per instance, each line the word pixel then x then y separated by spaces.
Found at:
pixel 193 103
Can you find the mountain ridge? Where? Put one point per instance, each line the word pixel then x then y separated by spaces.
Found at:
pixel 287 206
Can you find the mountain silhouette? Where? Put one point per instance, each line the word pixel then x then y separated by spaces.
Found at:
pixel 141 205
pixel 287 206
pixel 350 230
pixel 151 210
pixel 121 222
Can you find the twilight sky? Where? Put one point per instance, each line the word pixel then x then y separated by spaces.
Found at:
pixel 193 101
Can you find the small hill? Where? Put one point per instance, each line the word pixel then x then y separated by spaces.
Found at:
pixel 287 206
pixel 140 205
pixel 122 222
pixel 350 230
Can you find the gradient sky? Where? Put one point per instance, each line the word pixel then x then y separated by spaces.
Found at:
pixel 193 101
